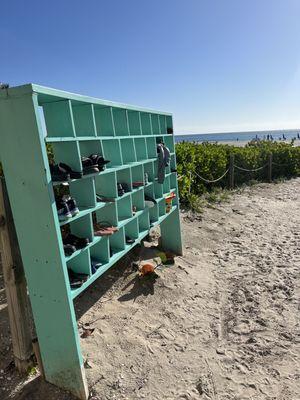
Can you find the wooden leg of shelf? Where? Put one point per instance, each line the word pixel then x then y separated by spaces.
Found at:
pixel 171 233
pixel 15 286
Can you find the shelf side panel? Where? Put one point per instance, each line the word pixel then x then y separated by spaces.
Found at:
pixel 41 250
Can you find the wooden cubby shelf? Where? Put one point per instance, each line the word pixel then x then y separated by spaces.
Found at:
pixel 40 126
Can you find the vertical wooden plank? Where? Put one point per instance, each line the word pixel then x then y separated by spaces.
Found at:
pixel 231 171
pixel 15 286
pixel 270 161
pixel 33 206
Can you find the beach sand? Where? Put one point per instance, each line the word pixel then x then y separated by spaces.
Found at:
pixel 223 323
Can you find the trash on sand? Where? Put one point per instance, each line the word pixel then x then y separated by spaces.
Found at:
pixel 87 332
pixel 146 269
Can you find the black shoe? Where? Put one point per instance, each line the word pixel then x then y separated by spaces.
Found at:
pixel 76 279
pixel 75 241
pixel 88 167
pixel 121 191
pixel 129 240
pixel 69 249
pixel 98 161
pixel 58 174
pixel 63 210
pixel 73 174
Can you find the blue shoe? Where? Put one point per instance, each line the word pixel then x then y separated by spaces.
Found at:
pixel 74 210
pixel 95 264
pixel 63 211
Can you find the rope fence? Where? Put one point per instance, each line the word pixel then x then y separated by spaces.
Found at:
pixel 232 167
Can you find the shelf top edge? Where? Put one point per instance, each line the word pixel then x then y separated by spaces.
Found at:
pixel 48 95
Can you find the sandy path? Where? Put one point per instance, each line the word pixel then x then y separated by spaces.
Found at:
pixel 221 324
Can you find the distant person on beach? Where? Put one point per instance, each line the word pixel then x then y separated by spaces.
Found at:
pixel 268 137
pixel 283 137
pixel 298 136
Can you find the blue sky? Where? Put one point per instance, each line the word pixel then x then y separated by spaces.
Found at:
pixel 218 65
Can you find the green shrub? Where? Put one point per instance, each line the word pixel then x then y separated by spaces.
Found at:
pixel 210 161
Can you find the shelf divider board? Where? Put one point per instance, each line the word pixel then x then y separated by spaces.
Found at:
pixel 59 119
pixel 79 126
pixel 104 121
pixel 43 259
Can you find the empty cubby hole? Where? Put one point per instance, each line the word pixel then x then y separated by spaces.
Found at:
pixel 146 123
pixel 106 185
pixel 153 213
pixel 83 191
pixel 137 173
pixel 162 124
pixel 117 242
pixel 158 190
pixel 169 142
pixel 124 178
pixel 155 124
pixel 59 119
pixel 112 152
pixel 140 149
pixel 82 227
pixel 81 264
pixel 68 153
pixel 124 207
pixel 162 207
pixel 151 147
pixel 89 147
pixel 144 223
pixel 106 215
pixel 169 123
pixel 138 200
pixel 100 250
pixel 149 170
pixel 134 122
pixel 128 151
pixel 166 185
pixel 132 230
pixel 120 122
pixel 84 121
pixel 104 121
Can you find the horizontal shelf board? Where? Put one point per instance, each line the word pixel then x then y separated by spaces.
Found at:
pixel 116 257
pixel 96 240
pixel 82 213
pixel 55 139
pixel 48 95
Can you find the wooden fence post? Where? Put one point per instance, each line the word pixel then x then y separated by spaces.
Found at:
pixel 231 171
pixel 270 160
pixel 15 286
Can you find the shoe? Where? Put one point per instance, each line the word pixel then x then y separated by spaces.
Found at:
pixel 76 279
pixel 129 240
pixel 121 191
pixel 169 131
pixel 58 174
pixel 63 210
pixel 104 229
pixel 95 264
pixel 88 167
pixel 98 161
pixel 75 241
pixel 73 174
pixel 69 249
pixel 103 199
pixel 74 210
pixel 137 184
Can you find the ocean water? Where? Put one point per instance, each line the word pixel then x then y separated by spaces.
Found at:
pixel 239 136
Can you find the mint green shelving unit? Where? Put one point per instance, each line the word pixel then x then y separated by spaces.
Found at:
pixel 78 126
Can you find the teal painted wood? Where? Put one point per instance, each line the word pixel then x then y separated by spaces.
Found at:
pixel 79 126
pixel 33 206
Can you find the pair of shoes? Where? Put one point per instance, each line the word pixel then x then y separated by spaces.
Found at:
pixel 122 188
pixel 76 279
pixel 104 199
pixel 93 164
pixel 137 184
pixel 134 209
pixel 104 229
pixel 72 243
pixel 66 208
pixel 95 264
pixel 62 172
